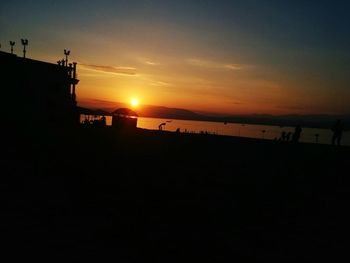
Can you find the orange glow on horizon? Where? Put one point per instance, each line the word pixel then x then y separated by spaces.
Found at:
pixel 204 87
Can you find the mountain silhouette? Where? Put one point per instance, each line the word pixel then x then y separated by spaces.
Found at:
pixel 144 110
pixel 169 113
pixel 311 120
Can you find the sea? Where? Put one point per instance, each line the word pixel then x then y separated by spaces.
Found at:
pixel 268 132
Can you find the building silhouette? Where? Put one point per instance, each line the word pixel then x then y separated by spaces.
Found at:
pixel 37 93
pixel 124 118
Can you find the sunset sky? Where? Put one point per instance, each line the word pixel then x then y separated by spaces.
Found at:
pixel 228 57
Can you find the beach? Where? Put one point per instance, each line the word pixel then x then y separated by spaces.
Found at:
pixel 140 195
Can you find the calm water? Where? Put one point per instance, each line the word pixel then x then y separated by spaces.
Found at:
pixel 241 130
pixel 233 129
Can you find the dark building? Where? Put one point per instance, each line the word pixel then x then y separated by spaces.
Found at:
pixel 36 93
pixel 124 118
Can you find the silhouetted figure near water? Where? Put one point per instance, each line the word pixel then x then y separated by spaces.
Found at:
pixel 316 137
pixel 283 136
pixel 296 134
pixel 337 132
pixel 160 127
pixel 288 136
pixel 103 121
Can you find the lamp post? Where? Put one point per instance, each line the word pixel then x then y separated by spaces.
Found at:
pixel 66 53
pixel 24 43
pixel 12 43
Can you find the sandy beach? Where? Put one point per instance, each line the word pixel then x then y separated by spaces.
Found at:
pixel 144 195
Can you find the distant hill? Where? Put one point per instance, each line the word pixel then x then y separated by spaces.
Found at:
pixel 144 110
pixel 311 121
pixel 168 113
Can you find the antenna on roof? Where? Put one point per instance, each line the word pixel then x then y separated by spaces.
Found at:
pixel 12 43
pixel 66 53
pixel 24 43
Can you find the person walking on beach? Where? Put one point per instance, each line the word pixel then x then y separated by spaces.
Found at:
pixel 103 121
pixel 296 134
pixel 337 132
pixel 283 136
pixel 160 127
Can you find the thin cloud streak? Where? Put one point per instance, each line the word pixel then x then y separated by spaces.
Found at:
pixel 214 65
pixel 152 63
pixel 159 84
pixel 130 71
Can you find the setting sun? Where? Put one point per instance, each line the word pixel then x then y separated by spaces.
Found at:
pixel 134 102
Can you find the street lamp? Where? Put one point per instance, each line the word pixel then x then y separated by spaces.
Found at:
pixel 12 43
pixel 66 53
pixel 24 43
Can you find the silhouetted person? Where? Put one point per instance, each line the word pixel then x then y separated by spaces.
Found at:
pixel 86 121
pixel 337 132
pixel 160 127
pixel 103 121
pixel 316 137
pixel 288 136
pixel 296 134
pixel 283 136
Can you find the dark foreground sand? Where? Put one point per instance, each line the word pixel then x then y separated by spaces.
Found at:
pixel 164 197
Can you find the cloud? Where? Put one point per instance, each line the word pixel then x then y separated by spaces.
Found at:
pixel 290 107
pixel 151 63
pixel 146 61
pixel 233 66
pixel 159 83
pixel 213 65
pixel 111 69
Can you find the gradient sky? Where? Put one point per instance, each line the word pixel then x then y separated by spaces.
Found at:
pixel 234 57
